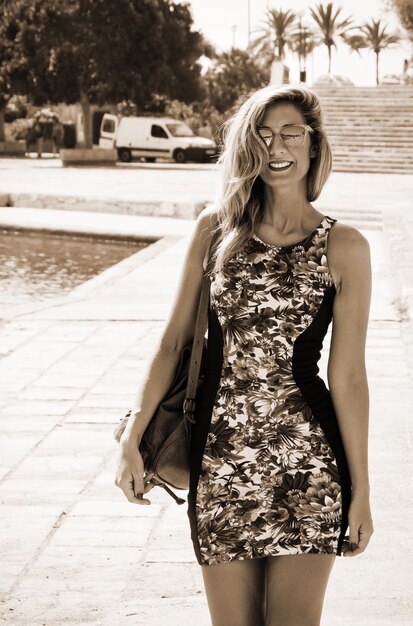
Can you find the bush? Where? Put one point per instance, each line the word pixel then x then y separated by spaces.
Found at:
pixel 203 120
pixel 127 108
pixel 21 129
pixel 16 108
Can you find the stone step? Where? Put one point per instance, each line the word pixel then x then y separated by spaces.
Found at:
pixel 363 93
pixel 364 101
pixel 369 151
pixel 385 115
pixel 376 123
pixel 387 91
pixel 355 111
pixel 356 161
pixel 390 144
pixel 359 157
pixel 369 115
pixel 367 169
pixel 399 133
pixel 365 105
pixel 370 169
pixel 387 136
pixel 371 157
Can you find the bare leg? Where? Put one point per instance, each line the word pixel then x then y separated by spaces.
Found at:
pixel 296 586
pixel 236 592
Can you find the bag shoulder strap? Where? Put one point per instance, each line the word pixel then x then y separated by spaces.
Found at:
pixel 198 341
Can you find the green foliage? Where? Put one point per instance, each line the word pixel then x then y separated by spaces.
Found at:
pixel 274 36
pixel 21 128
pixel 404 10
pixel 12 63
pixel 127 108
pixel 372 35
pixel 16 108
pixel 330 25
pixel 203 120
pixel 234 73
pixel 108 51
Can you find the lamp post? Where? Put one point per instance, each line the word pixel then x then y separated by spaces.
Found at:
pixel 302 48
pixel 300 45
pixel 233 28
pixel 249 22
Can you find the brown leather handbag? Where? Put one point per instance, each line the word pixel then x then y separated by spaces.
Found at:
pixel 165 444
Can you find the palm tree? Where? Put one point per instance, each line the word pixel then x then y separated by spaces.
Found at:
pixel 275 35
pixel 372 35
pixel 330 26
pixel 303 40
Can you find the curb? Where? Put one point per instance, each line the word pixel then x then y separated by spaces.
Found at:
pixel 109 226
pixel 186 210
pixel 85 290
pixel 396 229
pixel 397 238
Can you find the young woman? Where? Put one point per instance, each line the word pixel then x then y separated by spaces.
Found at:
pixel 279 466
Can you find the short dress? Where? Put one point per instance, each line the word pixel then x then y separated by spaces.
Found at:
pixel 268 474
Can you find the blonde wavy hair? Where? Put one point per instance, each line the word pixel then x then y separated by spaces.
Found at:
pixel 239 200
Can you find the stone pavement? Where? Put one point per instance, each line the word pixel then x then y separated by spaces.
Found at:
pixel 74 550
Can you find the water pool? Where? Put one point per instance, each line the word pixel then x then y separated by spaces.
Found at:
pixel 38 266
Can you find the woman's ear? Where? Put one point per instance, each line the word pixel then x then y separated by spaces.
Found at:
pixel 313 151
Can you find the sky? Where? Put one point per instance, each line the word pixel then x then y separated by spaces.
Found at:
pixel 225 21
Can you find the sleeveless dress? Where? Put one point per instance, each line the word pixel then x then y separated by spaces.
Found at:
pixel 268 473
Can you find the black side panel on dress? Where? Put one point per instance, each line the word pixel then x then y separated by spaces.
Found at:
pixel 203 412
pixel 306 354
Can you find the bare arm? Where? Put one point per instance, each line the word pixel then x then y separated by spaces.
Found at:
pixel 349 257
pixel 179 329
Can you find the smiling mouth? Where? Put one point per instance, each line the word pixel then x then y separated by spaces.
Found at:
pixel 279 166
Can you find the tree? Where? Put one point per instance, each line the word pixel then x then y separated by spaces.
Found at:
pixel 12 63
pixel 178 73
pixel 303 40
pixel 404 10
pixel 275 37
pixel 330 26
pixel 95 51
pixel 233 73
pixel 372 35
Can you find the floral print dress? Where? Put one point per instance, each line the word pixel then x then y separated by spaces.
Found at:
pixel 272 476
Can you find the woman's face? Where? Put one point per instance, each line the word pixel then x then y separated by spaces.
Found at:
pixel 295 158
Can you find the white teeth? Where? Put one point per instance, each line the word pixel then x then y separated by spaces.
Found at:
pixel 279 165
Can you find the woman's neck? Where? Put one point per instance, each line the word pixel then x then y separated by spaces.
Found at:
pixel 286 210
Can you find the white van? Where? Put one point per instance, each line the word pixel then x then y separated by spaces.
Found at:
pixel 152 137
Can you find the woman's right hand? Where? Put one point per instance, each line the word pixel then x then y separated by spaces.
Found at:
pixel 130 474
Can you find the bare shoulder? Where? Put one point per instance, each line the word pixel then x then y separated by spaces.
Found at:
pixel 345 242
pixel 206 224
pixel 348 251
pixel 207 220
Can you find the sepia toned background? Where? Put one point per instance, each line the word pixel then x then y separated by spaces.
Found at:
pixel 94 225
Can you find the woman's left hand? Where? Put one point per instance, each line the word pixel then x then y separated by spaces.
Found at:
pixel 360 523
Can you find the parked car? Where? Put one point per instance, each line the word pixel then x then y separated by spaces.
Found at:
pixel 152 137
pixel 333 80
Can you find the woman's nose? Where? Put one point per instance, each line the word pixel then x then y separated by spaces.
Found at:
pixel 277 144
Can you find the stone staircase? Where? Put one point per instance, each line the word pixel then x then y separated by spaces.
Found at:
pixel 370 128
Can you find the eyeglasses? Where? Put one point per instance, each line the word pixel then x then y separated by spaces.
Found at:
pixel 291 134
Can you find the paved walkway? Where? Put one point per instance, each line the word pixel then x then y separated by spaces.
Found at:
pixel 74 550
